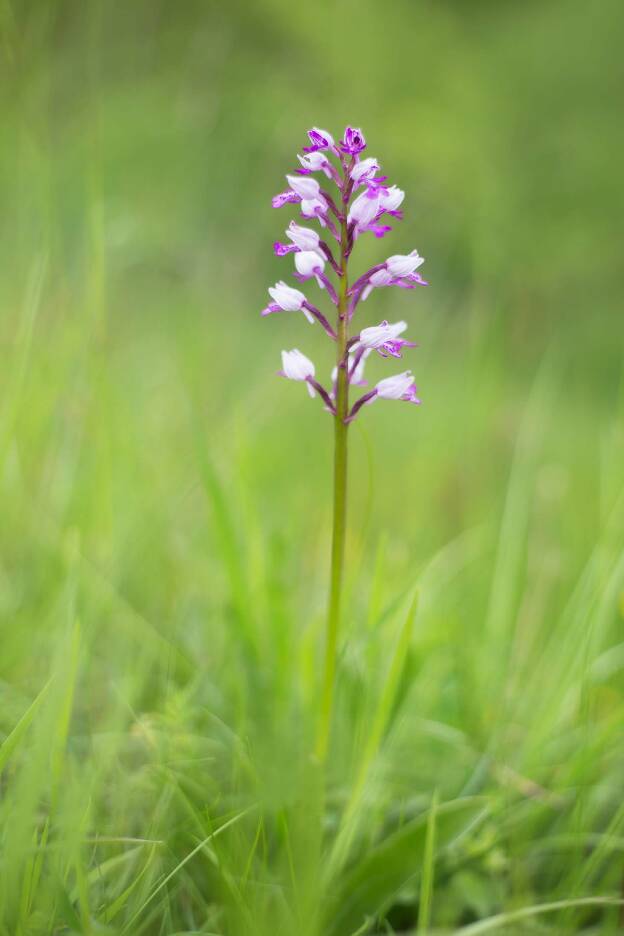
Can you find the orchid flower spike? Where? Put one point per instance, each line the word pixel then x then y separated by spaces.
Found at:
pixel 353 200
pixel 357 203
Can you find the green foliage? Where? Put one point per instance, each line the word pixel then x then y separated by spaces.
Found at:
pixel 164 499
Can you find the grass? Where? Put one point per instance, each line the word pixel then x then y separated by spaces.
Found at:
pixel 165 502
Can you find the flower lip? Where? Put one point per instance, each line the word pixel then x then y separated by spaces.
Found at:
pixel 281 250
pixel 353 141
pixel 283 198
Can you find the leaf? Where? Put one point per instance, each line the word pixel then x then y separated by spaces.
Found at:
pixel 120 902
pixel 162 884
pixel 426 883
pixel 13 739
pixel 380 720
pixel 368 888
pixel 503 919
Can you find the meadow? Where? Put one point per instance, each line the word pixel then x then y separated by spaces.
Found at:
pixel 165 499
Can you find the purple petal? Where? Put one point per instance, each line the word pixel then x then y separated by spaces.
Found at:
pixel 284 198
pixel 272 307
pixel 353 141
pixel 379 230
pixel 281 250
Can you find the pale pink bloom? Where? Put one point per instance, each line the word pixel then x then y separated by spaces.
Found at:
pixel 296 366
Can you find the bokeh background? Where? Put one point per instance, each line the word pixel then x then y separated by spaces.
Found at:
pixel 165 498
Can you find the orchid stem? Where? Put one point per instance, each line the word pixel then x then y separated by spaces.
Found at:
pixel 334 609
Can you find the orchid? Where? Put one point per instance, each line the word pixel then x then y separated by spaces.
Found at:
pixel 384 339
pixel 357 206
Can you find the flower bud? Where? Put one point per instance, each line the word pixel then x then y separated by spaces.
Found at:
pixel 320 139
pixel 353 141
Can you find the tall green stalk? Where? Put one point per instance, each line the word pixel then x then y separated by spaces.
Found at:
pixel 334 609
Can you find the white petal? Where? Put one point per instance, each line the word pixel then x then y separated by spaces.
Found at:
pixel 364 209
pixel 313 161
pixel 324 133
pixel 393 388
pixel 380 278
pixel 393 199
pixel 296 366
pixel 311 207
pixel 366 168
pixel 308 262
pixel 376 335
pixel 402 265
pixel 287 298
pixel 302 237
pixel 304 186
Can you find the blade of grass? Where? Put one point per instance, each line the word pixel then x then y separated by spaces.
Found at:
pixel 526 913
pixel 426 882
pixel 11 742
pixel 159 887
pixel 380 722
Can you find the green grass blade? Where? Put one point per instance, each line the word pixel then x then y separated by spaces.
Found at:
pixel 526 913
pixel 368 888
pixel 381 719
pixel 11 742
pixel 426 882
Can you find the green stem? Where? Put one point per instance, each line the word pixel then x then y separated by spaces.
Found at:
pixel 340 507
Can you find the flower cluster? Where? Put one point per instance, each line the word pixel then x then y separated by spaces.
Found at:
pixel 362 202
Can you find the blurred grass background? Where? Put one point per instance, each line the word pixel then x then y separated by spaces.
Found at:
pixel 164 498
